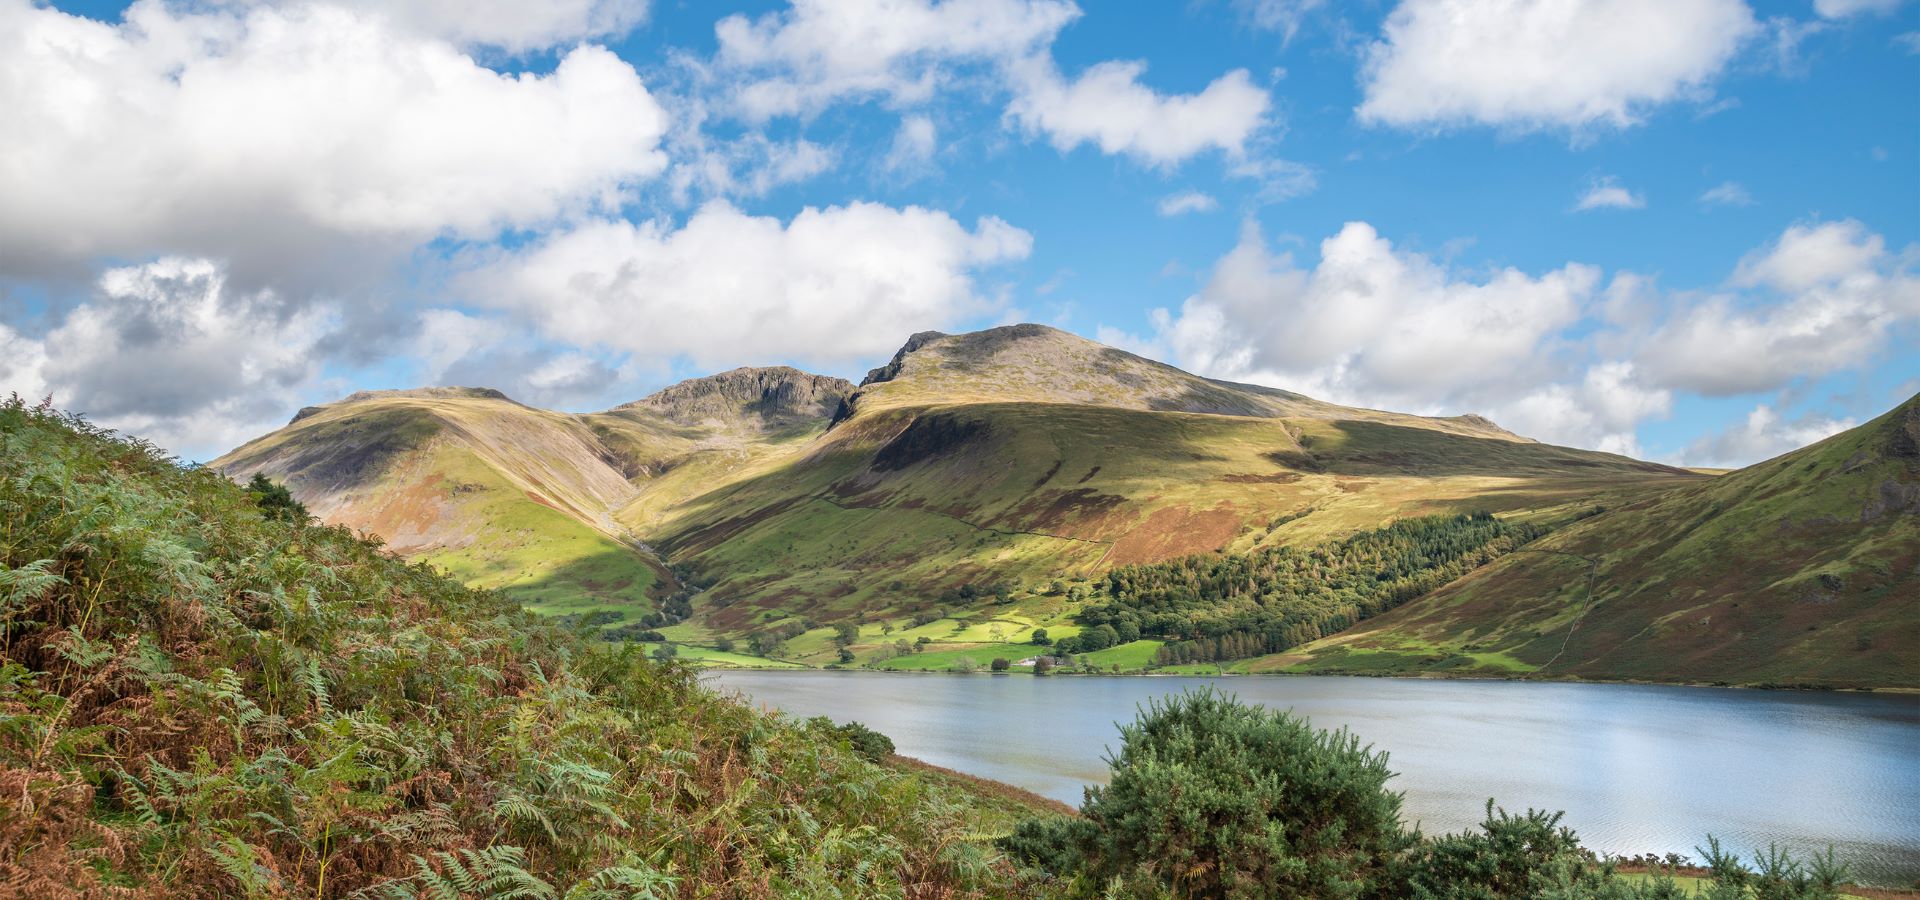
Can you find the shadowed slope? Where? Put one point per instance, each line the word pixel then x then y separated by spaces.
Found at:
pixel 1801 569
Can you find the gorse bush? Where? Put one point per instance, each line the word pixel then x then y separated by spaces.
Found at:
pixel 1217 799
pixel 204 694
pixel 1214 798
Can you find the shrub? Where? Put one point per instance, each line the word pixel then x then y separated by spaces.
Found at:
pixel 1213 798
pixel 1510 856
pixel 1001 664
pixel 870 744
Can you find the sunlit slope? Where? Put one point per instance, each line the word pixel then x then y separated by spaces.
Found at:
pixel 500 494
pixel 1801 569
pixel 1087 462
pixel 508 496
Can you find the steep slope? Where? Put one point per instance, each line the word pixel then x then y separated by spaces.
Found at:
pixel 1804 569
pixel 520 499
pixel 1020 455
pixel 204 698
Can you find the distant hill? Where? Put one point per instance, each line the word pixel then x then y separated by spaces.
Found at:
pixel 968 472
pixel 1023 454
pixel 1801 569
pixel 507 496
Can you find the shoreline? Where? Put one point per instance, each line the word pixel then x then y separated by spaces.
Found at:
pixel 791 666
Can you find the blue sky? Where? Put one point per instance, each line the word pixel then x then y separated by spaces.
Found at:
pixel 1680 229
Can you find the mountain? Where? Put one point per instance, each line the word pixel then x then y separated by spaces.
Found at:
pixel 1002 460
pixel 967 477
pixel 1804 568
pixel 507 496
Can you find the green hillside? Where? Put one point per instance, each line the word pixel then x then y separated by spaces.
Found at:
pixel 1801 569
pixel 1018 456
pixel 202 695
pixel 979 487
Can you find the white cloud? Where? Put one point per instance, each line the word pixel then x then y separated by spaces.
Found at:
pixel 1187 202
pixel 834 285
pixel 1809 255
pixel 1374 325
pixel 1727 193
pixel 749 166
pixel 1108 107
pixel 1599 411
pixel 1762 435
pixel 1572 65
pixel 1839 296
pixel 512 25
pixel 169 352
pixel 1279 179
pixel 271 133
pixel 798 61
pixel 913 145
pixel 1553 356
pixel 1284 16
pixel 1606 193
pixel 820 51
pixel 1840 9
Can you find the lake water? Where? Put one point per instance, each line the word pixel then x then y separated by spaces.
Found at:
pixel 1636 768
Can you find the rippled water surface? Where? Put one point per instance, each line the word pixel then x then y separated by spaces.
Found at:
pixel 1637 768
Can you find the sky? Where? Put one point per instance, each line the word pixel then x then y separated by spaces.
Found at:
pixel 1684 230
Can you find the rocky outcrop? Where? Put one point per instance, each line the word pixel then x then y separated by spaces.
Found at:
pixel 771 396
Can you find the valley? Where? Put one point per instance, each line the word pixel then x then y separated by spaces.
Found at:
pixel 978 488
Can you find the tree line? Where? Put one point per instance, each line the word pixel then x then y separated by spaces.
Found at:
pixel 1214 607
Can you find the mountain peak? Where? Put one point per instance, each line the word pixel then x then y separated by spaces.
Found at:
pixel 424 393
pixel 771 394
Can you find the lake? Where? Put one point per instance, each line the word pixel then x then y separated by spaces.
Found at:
pixel 1637 768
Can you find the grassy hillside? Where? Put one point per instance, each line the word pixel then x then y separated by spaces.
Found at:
pixel 1801 569
pixel 200 698
pixel 1018 456
pixel 502 495
pixel 979 486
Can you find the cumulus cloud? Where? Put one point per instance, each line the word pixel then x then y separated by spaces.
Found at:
pixel 798 61
pixel 1573 65
pixel 1763 434
pixel 834 285
pixel 820 51
pixel 1108 107
pixel 1824 297
pixel 1372 324
pixel 1186 202
pixel 1557 356
pixel 168 351
pixel 1727 193
pixel 272 134
pixel 1607 193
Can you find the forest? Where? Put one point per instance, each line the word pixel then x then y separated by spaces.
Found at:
pixel 1213 607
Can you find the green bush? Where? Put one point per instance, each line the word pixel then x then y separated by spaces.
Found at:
pixel 1214 798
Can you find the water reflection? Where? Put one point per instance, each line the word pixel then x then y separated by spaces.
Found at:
pixel 1637 768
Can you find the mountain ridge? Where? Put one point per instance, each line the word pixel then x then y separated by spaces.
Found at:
pixel 966 479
